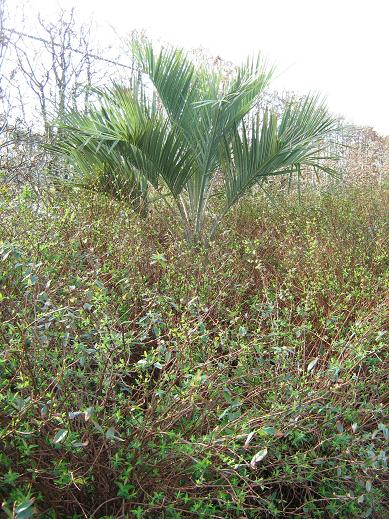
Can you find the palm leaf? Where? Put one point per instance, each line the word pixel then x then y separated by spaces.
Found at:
pixel 273 147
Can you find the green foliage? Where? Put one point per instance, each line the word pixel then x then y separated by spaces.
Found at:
pixel 248 381
pixel 195 138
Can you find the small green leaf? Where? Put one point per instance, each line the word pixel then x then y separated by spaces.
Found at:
pixel 44 410
pixel 312 364
pixel 60 436
pixel 249 438
pixel 270 431
pixel 33 279
pixel 111 435
pixel 384 430
pixel 242 331
pixel 339 426
pixel 10 477
pixel 25 510
pixel 89 413
pixel 259 456
pixel 80 444
pixel 73 414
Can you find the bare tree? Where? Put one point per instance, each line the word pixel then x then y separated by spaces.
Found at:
pixel 47 67
pixel 4 44
pixel 5 135
pixel 3 36
pixel 57 67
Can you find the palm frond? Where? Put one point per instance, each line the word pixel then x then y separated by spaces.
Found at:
pixel 271 147
pixel 193 127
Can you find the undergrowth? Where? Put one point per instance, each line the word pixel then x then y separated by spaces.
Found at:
pixel 139 378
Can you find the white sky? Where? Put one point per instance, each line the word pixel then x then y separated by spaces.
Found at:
pixel 337 47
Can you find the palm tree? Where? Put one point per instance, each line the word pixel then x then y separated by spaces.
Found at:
pixel 193 137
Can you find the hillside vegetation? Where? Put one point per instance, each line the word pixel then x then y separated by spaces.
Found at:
pixel 142 378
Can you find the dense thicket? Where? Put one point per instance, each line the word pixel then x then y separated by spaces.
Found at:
pixel 139 379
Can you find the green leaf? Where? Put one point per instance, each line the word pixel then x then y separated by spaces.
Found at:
pixel 312 364
pixel 249 438
pixel 80 444
pixel 111 435
pixel 60 436
pixel 259 456
pixel 74 414
pixel 89 413
pixel 25 510
pixel 242 331
pixel 271 431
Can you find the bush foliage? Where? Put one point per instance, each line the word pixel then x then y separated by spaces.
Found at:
pixel 141 379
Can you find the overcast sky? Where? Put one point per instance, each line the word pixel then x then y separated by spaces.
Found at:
pixel 337 47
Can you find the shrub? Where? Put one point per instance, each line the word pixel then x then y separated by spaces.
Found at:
pixel 141 380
